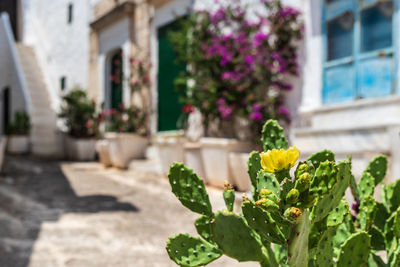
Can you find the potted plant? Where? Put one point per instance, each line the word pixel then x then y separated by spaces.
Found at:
pixel 18 133
pixel 81 121
pixel 236 75
pixel 126 133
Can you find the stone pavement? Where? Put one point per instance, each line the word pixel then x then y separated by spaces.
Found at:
pixel 56 214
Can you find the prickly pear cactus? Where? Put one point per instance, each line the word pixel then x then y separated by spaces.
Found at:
pixel 292 220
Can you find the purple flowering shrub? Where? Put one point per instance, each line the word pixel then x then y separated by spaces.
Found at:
pixel 238 66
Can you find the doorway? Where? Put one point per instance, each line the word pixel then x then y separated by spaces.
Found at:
pixel 169 108
pixel 6 99
pixel 116 79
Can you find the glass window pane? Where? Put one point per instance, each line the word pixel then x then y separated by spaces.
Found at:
pixel 376 27
pixel 340 36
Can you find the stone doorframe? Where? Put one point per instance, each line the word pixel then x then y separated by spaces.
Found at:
pixel 139 16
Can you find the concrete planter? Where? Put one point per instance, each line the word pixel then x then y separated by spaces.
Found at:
pixel 194 160
pixel 215 154
pixel 103 150
pixel 80 149
pixel 3 144
pixel 238 169
pixel 170 150
pixel 18 144
pixel 124 147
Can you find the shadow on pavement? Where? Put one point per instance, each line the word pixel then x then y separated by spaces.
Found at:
pixel 33 191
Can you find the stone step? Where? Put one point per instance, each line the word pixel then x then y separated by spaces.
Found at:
pixel 43 118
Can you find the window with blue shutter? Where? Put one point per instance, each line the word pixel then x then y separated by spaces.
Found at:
pixel 359 50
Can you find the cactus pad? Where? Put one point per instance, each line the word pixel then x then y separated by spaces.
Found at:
pixel 377 239
pixel 267 180
pixel 324 178
pixel 377 168
pixel 204 227
pixel 231 230
pixel 381 216
pixel 189 189
pixel 229 196
pixel 391 195
pixel 355 251
pixel 273 136
pixel 325 251
pixel 298 242
pixel 338 214
pixel 328 202
pixel 191 251
pixel 322 156
pixel 254 166
pixel 366 186
pixel 262 222
pixel 367 213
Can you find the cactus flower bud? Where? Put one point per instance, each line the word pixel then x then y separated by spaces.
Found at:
pixel 227 186
pixel 293 214
pixel 267 204
pixel 268 194
pixel 303 182
pixel 302 168
pixel 245 197
pixel 292 196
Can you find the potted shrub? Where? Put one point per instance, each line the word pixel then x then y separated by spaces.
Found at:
pixel 81 122
pixel 237 71
pixel 18 133
pixel 126 133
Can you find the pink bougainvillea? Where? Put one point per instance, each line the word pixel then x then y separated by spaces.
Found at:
pixel 235 63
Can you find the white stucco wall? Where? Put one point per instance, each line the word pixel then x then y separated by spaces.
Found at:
pixel 62 48
pixel 10 72
pixel 114 37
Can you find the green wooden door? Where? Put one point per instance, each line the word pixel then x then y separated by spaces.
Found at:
pixel 116 80
pixel 169 109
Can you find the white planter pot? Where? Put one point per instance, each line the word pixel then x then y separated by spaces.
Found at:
pixel 238 169
pixel 103 150
pixel 124 147
pixel 80 149
pixel 3 144
pixel 170 150
pixel 215 155
pixel 194 160
pixel 18 144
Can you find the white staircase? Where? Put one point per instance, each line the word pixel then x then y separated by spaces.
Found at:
pixel 43 117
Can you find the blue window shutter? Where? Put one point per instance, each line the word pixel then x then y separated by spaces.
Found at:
pixel 360 58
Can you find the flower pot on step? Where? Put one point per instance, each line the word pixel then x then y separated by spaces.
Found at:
pixel 170 150
pixel 18 144
pixel 124 147
pixel 103 150
pixel 238 170
pixel 194 160
pixel 215 155
pixel 80 149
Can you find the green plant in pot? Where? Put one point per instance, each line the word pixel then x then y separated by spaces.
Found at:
pixel 18 133
pixel 81 121
pixel 126 133
pixel 296 217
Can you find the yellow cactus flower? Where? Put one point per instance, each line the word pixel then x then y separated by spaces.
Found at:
pixel 276 160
